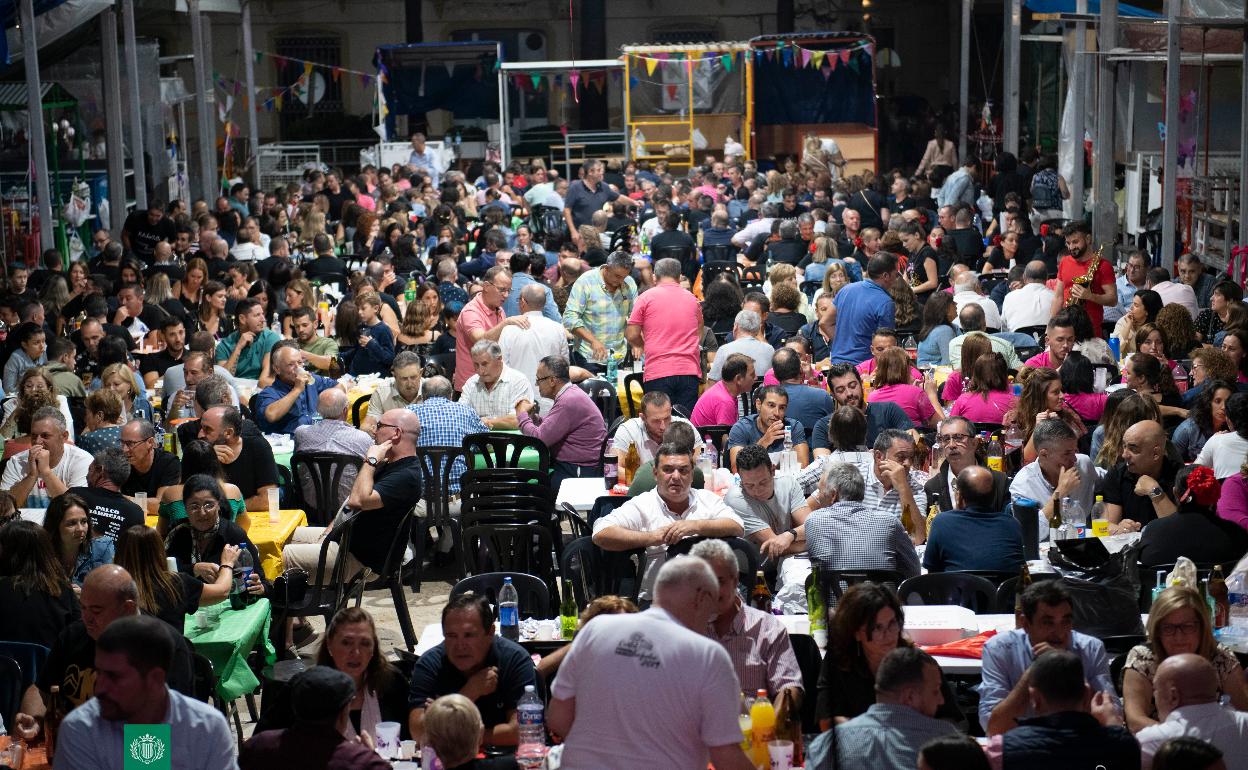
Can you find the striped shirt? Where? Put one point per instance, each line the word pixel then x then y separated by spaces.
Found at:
pixel 603 313
pixel 761 654
pixel 854 536
pixel 874 497
pixel 499 401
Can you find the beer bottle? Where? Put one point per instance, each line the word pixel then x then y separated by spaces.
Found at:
pixel 760 597
pixel 1024 580
pixel 567 612
pixel 52 719
pixel 632 461
pixel 932 512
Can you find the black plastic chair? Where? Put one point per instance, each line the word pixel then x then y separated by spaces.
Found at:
pixel 437 470
pixel 444 361
pixel 969 591
pixel 682 254
pixel 630 379
pixel 29 656
pixel 748 556
pixel 602 393
pixel 720 254
pixel 503 450
pixel 1122 644
pixel 509 547
pixel 577 524
pixel 594 572
pixel 11 689
pixel 534 594
pixel 391 577
pixel 1039 333
pixel 329 588
pixel 487 476
pixel 718 434
pixel 809 288
pixel 1007 592
pixel 714 266
pixel 604 505
pixel 989 281
pixel 318 481
pixel 78 413
pixel 833 583
pixel 809 660
pixel 203 679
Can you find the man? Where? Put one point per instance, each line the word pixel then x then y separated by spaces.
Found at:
pixel 449 290
pixel 154 365
pixel 647 430
pixel 1192 273
pixel 772 510
pixel 671 237
pixel 326 265
pixel 144 229
pixel 495 389
pixel 807 404
pixel 60 367
pixel 321 699
pixel 1032 303
pixel 756 641
pixel 863 307
pixel 767 428
pixel 1060 341
pixel 959 187
pixel 961 443
pixel 1008 672
pixel 109 511
pixel 1072 726
pixel 719 404
pixel 660 658
pixel 1058 471
pixel 51 466
pixel 572 428
pixel 968 292
pixel 181 379
pixel 974 535
pixel 483 319
pixel 332 433
pixel 445 422
pixel 587 195
pixel 670 512
pixel 748 339
pixel 279 254
pixel 1134 277
pixel 1172 293
pixel 1224 452
pixel 317 353
pixel 845 383
pixel 1098 291
pixel 423 159
pixel 151 467
pixel 524 348
pixel 385 490
pixel 292 398
pixel 968 242
pixel 891 485
pixel 666 324
pixel 1140 486
pixel 133 659
pixel 472 660
pixel 893 729
pixel 239 195
pixel 139 318
pixel 245 352
pixel 843 533
pixel 526 271
pixel 598 309
pixel 789 249
pixel 163 262
pixel 758 302
pixel 247 459
pixel 1186 692
pixel 400 394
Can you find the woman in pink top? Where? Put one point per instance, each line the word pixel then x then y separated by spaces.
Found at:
pixel 973 347
pixel 1077 385
pixel 1233 504
pixel 892 383
pixel 987 395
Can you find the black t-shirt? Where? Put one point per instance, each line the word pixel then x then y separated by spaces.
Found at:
pixel 71 666
pixel 110 512
pixel 324 266
pixel 159 362
pixel 35 617
pixel 398 485
pixel 144 236
pixel 788 252
pixel 254 468
pixel 174 271
pixel 1118 488
pixel 669 239
pixel 1199 535
pixel 151 316
pixel 435 676
pixel 969 245
pixel 868 204
pixel 174 609
pixel 264 268
pixel 98 266
pixel 182 546
pixel 166 471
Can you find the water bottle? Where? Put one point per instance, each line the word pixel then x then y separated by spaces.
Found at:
pixel 243 568
pixel 1013 438
pixel 531 751
pixel 709 452
pixel 509 611
pixel 612 369
pixel 1074 518
pixel 788 439
pixel 996 454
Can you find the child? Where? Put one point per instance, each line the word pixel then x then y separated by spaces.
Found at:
pixel 368 348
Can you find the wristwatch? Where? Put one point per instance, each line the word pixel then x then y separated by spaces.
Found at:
pixel 1155 493
pixel 792 531
pixel 372 461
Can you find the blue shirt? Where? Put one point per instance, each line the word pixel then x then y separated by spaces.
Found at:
pixel 445 423
pixel 746 432
pixel 934 349
pixel 1008 654
pixel 861 308
pixel 808 405
pixel 511 305
pixel 886 737
pixel 974 540
pixel 251 360
pixel 880 415
pixel 819 346
pixel 302 412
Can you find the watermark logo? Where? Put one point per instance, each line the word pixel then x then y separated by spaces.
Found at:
pixel 147 747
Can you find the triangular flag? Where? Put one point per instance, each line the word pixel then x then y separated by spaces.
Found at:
pixel 558 81
pixel 853 64
pixel 280 61
pixel 450 69
pixel 307 68
pixel 259 56
pixel 844 56
pixel 771 54
pixel 536 77
pixel 833 60
pixel 671 91
pixel 786 57
pixel 818 57
pixel 826 70
pixel 563 129
pixel 806 55
pixel 497 65
pixel 277 100
pixel 599 83
pixel 574 77
pixel 336 73
pixel 650 65
pixel 661 56
pixel 726 60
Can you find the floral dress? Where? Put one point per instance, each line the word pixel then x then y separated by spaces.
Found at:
pixel 1143 661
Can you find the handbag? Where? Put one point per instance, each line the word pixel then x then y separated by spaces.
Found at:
pixel 290 587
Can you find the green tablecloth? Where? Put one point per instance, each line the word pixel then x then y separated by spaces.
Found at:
pixel 528 457
pixel 283 459
pixel 226 637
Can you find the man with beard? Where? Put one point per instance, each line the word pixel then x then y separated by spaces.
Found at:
pixel 246 459
pixel 318 353
pixel 846 385
pixel 1098 293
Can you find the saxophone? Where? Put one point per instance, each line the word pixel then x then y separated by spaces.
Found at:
pixel 1086 278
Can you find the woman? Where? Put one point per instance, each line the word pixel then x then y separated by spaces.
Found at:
pixel 33 586
pixel 416 333
pixel 1179 329
pixel 723 300
pixel 907 308
pixel 1144 308
pixel 104 412
pixel 937 329
pixel 1145 375
pixel 313 225
pixel 198 458
pixel 1002 256
pixel 367 234
pixel 299 293
pixel 53 297
pixel 1042 399
pixel 79 290
pixel 131 271
pixel 834 279
pixel 197 544
pixel 815 264
pixel 1123 409
pixel 76 546
pixel 161 295
pixel 866 626
pixel 1213 319
pixel 29 345
pixel 1234 344
pixel 170 596
pixel 1151 340
pixel 120 379
pixel 1207 417
pixel 1232 504
pixel 940 151
pixel 892 382
pixel 525 243
pixel 974 346
pixel 266 295
pixel 988 396
pixel 1208 364
pixel 190 290
pixel 35 390
pixel 212 317
pixel 1178 622
pixel 1078 385
pixel 785 301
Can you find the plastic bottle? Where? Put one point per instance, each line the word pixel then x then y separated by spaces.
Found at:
pixel 1160 585
pixel 814 608
pixel 613 369
pixel 709 452
pixel 788 439
pixel 1074 518
pixel 996 454
pixel 1220 595
pixel 509 611
pixel 1013 438
pixel 1237 596
pixel 243 567
pixel 531 751
pixel 763 727
pixel 1100 525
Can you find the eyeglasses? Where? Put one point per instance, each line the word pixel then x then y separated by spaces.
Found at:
pixel 955 438
pixel 127 444
pixel 388 425
pixel 1174 629
pixel 891 627
pixel 501 290
pixel 207 507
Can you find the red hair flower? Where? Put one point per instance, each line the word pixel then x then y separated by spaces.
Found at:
pixel 996 240
pixel 1044 231
pixel 858 243
pixel 1202 487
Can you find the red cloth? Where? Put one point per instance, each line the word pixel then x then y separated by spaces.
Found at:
pixel 1070 269
pixel 972 647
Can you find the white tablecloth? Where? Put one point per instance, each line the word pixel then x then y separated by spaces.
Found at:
pixel 581 493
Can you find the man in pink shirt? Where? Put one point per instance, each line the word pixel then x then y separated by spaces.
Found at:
pixel 1060 341
pixel 666 323
pixel 718 405
pixel 483 319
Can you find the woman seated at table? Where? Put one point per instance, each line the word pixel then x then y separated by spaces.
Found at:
pixel 1123 408
pixel 1042 399
pixel 351 646
pixel 892 381
pixel 78 548
pixel 866 626
pixel 197 544
pixel 1207 417
pixel 120 379
pixel 973 346
pixel 35 390
pixel 1145 375
pixel 1178 622
pixel 987 397
pixel 103 408
pixel 199 458
pixel 1078 385
pixel 170 596
pixel 36 599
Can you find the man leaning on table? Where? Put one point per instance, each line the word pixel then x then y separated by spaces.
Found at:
pixel 573 427
pixel 245 353
pixel 291 401
pixel 495 388
pixel 406 372
pixel 773 511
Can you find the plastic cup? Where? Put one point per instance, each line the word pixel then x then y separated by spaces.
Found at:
pixel 388 739
pixel 172 563
pixel 781 753
pixel 140 499
pixel 408 750
pixel 274 505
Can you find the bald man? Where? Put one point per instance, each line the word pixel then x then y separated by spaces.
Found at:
pixel 1140 486
pixel 975 534
pixel 291 401
pixel 332 433
pixel 1186 690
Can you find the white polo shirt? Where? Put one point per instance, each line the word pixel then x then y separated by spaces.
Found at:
pixel 524 348
pixel 634 431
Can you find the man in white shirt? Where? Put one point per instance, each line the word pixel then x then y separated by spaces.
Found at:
pixel 1031 303
pixel 1186 689
pixel 524 348
pixel 653 674
pixel 248 246
pixel 494 390
pixel 670 512
pixel 646 432
pixel 1172 292
pixel 966 291
pixel 50 466
pixel 1058 470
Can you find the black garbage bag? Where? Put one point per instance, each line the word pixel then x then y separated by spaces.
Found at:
pixel 1105 587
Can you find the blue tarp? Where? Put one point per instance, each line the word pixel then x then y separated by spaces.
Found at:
pixel 1094 8
pixel 418 80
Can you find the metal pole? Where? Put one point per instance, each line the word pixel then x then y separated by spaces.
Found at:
pixel 1013 55
pixel 112 121
pixel 1104 211
pixel 1170 166
pixel 204 99
pixel 137 159
pixel 1237 263
pixel 964 79
pixel 36 135
pixel 249 74
pixel 1077 68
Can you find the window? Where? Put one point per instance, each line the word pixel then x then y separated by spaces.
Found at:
pixel 325 92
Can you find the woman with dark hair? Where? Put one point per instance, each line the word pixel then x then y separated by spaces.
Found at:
pixel 722 301
pixel 266 295
pixel 1145 375
pixel 211 316
pixel 1214 318
pixel 1042 399
pixel 1079 387
pixel 35 390
pixel 937 329
pixel 1208 416
pixel 190 290
pixel 1188 753
pixel 1144 308
pixel 76 546
pixel 940 151
pixel 987 396
pixel 33 586
pixel 197 544
pixel 170 596
pixel 1007 180
pixel 406 258
pixel 1153 341
pixel 1124 409
pixel 198 458
pixel 1087 341
pixel 953 752
pixel 974 346
pixel 1176 323
pixel 1235 345
pixel 892 382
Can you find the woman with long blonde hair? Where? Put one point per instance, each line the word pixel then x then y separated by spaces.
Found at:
pixel 299 293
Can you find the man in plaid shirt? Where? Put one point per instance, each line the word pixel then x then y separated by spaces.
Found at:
pixel 598 308
pixel 444 422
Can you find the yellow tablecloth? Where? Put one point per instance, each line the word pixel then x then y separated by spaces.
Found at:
pixel 268 538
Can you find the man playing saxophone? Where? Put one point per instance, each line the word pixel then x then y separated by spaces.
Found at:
pixel 1084 277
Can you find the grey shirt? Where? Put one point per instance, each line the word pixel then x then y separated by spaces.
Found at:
pixel 775 514
pixel 755 348
pixel 175 380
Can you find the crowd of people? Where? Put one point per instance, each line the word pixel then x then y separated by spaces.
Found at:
pixel 847 346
